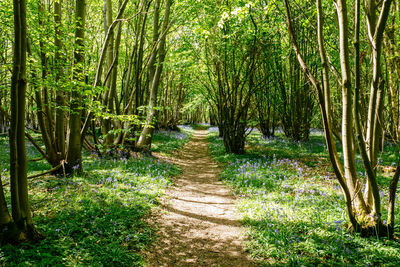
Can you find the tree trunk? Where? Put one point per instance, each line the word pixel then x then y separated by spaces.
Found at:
pixel 21 213
pixel 110 66
pixel 145 139
pixel 364 219
pixel 74 155
pixel 60 100
pixel 347 117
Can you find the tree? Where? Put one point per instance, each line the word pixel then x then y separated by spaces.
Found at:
pixel 364 211
pixel 20 226
pixel 74 154
pixel 231 54
pixel 145 138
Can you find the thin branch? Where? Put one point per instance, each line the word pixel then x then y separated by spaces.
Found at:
pixel 40 174
pixel 36 145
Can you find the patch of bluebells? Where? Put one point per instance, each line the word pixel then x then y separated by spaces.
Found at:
pixel 283 199
pixel 213 129
pixel 264 172
pixel 295 215
pixel 103 207
pixel 127 172
pixel 185 128
pixel 286 145
pixel 255 173
pixel 173 134
pixel 166 141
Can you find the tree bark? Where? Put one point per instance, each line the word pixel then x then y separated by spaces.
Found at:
pixel 74 155
pixel 347 104
pixel 60 100
pixel 110 66
pixel 145 139
pixel 21 213
pixel 328 131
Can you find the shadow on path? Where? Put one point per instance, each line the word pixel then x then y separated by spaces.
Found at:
pixel 198 225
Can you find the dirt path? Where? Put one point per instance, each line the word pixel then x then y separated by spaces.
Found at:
pixel 198 225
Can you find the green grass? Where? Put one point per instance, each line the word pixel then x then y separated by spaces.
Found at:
pixel 201 126
pixel 311 151
pixel 169 141
pixel 293 207
pixel 96 219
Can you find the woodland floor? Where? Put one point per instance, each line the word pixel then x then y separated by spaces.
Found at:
pixel 197 224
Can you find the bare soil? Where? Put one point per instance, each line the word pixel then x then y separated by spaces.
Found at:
pixel 197 225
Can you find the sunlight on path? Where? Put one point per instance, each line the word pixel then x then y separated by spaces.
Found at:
pixel 198 225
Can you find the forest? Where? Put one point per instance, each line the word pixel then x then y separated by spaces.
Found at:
pixel 199 133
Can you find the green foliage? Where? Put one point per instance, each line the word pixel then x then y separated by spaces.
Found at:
pixel 293 205
pixel 95 219
pixel 201 126
pixel 4 155
pixel 234 54
pixel 169 141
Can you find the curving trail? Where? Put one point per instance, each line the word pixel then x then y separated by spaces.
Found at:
pixel 198 225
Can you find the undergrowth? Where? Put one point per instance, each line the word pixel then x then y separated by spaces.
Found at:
pixel 168 141
pixel 293 207
pixel 95 219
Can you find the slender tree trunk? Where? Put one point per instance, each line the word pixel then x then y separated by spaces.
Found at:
pixel 107 99
pixel 74 155
pixel 44 112
pixel 145 139
pixel 99 68
pixel 325 77
pixel 113 90
pixel 60 100
pixel 390 46
pixel 374 126
pixel 21 213
pixel 328 132
pixel 347 118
